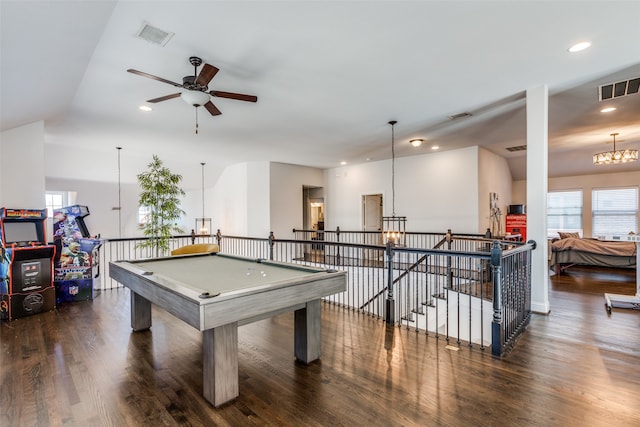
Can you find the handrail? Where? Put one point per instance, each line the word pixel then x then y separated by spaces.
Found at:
pixel 428 289
pixel 339 231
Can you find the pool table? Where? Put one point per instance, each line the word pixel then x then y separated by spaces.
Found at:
pixel 216 293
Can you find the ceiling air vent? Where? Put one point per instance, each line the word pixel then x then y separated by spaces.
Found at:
pixel 460 116
pixel 517 148
pixel 153 34
pixel 618 89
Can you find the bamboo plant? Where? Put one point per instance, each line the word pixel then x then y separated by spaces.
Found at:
pixel 160 193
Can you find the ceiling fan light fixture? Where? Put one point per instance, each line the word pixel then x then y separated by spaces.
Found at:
pixel 145 108
pixel 195 97
pixel 416 142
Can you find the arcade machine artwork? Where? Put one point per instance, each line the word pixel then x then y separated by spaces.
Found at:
pixel 76 263
pixel 26 264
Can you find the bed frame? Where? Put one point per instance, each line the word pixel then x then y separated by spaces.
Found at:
pixel 563 257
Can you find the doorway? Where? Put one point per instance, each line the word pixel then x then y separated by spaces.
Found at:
pixel 372 218
pixel 313 221
pixel 313 208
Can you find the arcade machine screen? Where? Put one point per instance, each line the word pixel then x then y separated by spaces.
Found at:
pixel 20 233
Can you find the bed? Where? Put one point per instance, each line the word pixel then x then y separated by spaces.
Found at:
pixel 571 251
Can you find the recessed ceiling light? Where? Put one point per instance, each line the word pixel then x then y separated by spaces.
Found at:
pixel 579 46
pixel 416 142
pixel 435 147
pixel 608 109
pixel 343 163
pixel 145 108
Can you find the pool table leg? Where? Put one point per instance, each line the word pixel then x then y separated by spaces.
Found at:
pixel 140 312
pixel 220 364
pixel 308 332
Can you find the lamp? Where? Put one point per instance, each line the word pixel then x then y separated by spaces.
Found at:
pixel 615 156
pixel 416 142
pixel 204 224
pixel 393 227
pixel 195 98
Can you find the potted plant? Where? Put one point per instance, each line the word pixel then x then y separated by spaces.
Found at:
pixel 160 193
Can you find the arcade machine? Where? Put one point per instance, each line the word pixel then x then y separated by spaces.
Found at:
pixel 77 255
pixel 26 264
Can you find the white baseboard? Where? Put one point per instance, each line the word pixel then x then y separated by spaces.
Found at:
pixel 540 308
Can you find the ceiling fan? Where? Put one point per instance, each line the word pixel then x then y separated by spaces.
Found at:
pixel 196 91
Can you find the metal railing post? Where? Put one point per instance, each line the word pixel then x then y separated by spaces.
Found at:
pixel 449 237
pixel 338 247
pixel 390 314
pixel 497 333
pixel 271 243
pixel 219 238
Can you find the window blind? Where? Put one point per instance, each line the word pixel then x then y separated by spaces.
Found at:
pixel 615 211
pixel 564 212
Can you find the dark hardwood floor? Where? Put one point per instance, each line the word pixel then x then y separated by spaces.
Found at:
pixel 82 366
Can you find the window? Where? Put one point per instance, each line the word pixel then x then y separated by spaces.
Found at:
pixel 54 200
pixel 564 212
pixel 144 212
pixel 615 211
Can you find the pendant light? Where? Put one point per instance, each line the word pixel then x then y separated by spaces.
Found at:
pixel 203 224
pixel 394 227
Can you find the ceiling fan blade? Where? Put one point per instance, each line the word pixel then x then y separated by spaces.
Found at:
pixel 164 98
pixel 231 95
pixel 212 109
pixel 151 76
pixel 206 74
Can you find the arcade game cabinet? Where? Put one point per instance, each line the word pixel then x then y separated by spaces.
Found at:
pixel 26 264
pixel 77 256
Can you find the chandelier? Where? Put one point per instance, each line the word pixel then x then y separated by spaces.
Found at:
pixel 615 156
pixel 394 227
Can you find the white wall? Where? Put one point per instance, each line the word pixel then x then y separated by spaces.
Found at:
pixel 229 212
pixel 22 179
pixel 249 199
pixel 494 176
pixel 286 183
pixel 344 188
pixel 586 183
pixel 101 198
pixel 259 191
pixel 519 192
pixel 436 191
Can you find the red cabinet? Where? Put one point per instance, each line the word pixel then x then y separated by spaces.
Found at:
pixel 517 224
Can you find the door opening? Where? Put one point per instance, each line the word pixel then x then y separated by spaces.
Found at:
pixel 313 221
pixel 372 218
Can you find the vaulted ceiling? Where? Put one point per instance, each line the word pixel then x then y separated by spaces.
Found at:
pixel 328 77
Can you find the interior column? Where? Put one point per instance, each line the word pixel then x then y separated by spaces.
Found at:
pixel 537 177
